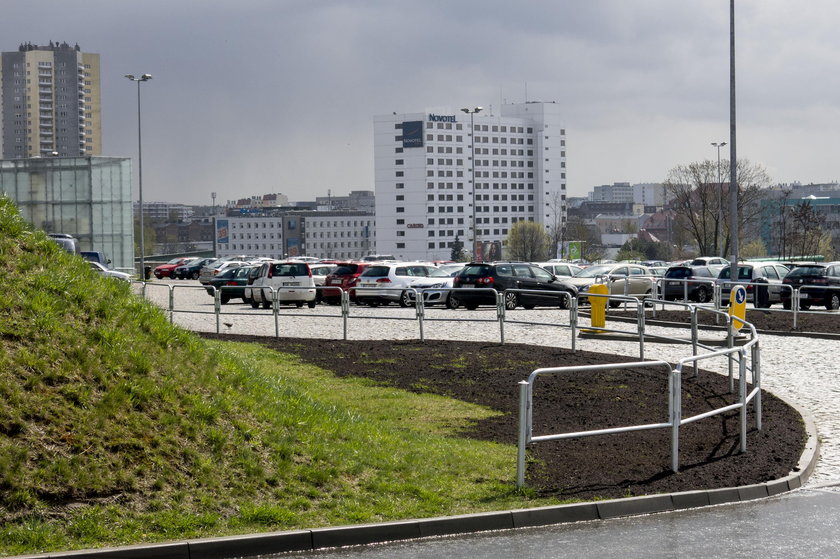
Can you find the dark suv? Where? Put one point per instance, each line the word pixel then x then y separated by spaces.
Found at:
pixel 678 277
pixel 818 284
pixel 344 277
pixel 504 276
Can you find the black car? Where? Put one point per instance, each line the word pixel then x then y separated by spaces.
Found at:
pixel 191 270
pixel 231 284
pixel 506 276
pixel 678 281
pixel 818 284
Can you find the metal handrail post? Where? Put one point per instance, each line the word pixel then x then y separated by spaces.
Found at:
pixel 500 314
pixel 794 305
pixel 694 336
pixel 171 304
pixel 685 291
pixel 640 318
pixel 523 433
pixel 419 311
pixel 275 308
pixel 217 305
pixel 756 375
pixel 573 317
pixel 730 343
pixel 742 387
pixel 345 309
pixel 675 409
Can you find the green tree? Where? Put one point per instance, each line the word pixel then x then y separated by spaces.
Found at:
pixel 457 253
pixel 527 241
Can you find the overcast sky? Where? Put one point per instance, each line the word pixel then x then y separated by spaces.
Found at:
pixel 258 96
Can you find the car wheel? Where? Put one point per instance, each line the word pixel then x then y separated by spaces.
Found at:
pixel 405 300
pixel 158 276
pixel 833 302
pixel 195 275
pixel 471 306
pixel 311 304
pixel 224 299
pixel 564 302
pixel 299 304
pixel 254 304
pixel 452 302
pixel 615 304
pixel 528 307
pixel 511 300
pixel 702 295
pixel 266 304
pixel 786 304
pixel 804 306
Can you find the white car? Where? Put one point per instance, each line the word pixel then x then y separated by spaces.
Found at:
pixel 435 287
pixel 291 281
pixel 560 269
pixel 383 282
pixel 105 272
pixel 622 279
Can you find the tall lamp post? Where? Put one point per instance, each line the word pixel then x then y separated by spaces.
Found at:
pixel 139 80
pixel 719 239
pixel 472 112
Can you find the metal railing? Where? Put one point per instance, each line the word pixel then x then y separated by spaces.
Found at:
pixel 674 415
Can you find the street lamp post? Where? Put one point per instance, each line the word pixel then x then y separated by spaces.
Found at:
pixel 139 80
pixel 719 238
pixel 472 112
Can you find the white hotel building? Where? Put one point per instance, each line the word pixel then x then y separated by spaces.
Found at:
pixel 424 178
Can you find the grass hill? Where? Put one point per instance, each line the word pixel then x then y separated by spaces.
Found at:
pixel 117 427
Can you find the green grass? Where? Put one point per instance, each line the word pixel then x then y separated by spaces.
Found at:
pixel 118 428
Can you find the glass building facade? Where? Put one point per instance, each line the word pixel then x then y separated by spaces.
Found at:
pixel 87 197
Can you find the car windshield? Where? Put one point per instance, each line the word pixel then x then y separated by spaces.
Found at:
pixel 377 271
pixel 678 273
pixel 437 273
pixel 594 271
pixel 479 270
pixel 744 273
pixel 346 270
pixel 289 270
pixel 175 261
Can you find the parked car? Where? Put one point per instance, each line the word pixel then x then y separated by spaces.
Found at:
pixel 215 268
pixel 166 270
pixel 506 276
pixel 95 256
pixel 289 280
pixel 68 242
pixel 191 270
pixel 560 269
pixel 344 276
pixel 319 276
pixel 632 279
pixel 817 284
pixel 751 273
pixel 230 283
pixel 710 261
pixel 383 282
pixel 435 288
pixel 678 281
pixel 105 272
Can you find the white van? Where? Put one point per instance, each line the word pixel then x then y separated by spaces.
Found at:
pixel 292 283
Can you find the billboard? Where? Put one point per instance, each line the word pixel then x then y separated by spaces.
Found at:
pixel 412 134
pixel 488 251
pixel 222 236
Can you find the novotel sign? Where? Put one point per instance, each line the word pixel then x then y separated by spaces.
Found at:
pixel 441 118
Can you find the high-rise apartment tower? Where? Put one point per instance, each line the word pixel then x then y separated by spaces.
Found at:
pixel 50 102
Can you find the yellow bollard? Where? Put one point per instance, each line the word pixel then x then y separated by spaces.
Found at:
pixel 598 305
pixel 738 306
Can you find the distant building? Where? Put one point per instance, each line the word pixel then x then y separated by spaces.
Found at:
pixel 358 200
pixel 50 102
pixel 646 194
pixel 287 234
pixel 430 190
pixel 164 211
pixel 87 197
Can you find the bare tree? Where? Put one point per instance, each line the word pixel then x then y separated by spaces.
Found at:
pixel 556 222
pixel 807 229
pixel 527 241
pixel 697 198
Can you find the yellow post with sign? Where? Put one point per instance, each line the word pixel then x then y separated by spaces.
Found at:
pixel 738 306
pixel 598 318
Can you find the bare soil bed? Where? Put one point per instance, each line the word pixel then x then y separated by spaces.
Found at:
pixel 610 466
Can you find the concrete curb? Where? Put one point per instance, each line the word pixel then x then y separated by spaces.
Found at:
pixel 322 538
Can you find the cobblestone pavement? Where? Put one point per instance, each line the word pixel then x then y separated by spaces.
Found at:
pixel 795 368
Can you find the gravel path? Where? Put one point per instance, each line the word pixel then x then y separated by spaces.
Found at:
pixel 794 368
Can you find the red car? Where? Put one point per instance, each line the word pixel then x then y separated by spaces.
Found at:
pixel 167 270
pixel 345 277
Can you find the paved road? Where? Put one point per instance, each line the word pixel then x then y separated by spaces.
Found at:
pixel 797 369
